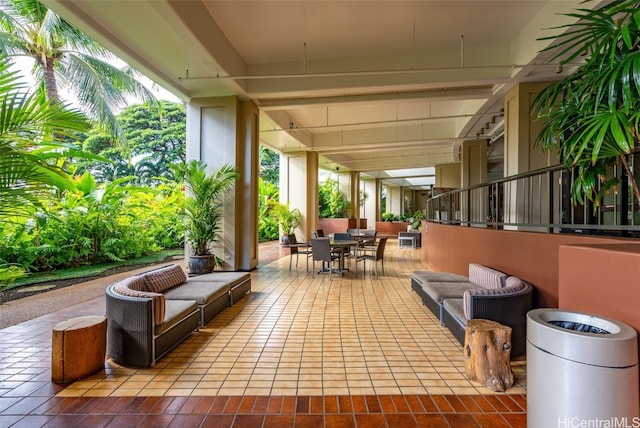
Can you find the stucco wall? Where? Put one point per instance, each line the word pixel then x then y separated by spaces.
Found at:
pixel 534 257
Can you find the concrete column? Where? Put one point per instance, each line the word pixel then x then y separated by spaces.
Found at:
pixel 378 194
pixel 448 176
pixel 411 201
pixel 473 162
pixel 395 199
pixel 299 188
pixel 225 131
pixel 368 210
pixel 474 205
pixel 355 196
pixel 520 156
pixel 521 131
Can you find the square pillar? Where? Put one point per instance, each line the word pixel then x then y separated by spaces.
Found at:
pixel 299 188
pixel 225 131
pixel 474 205
pixel 521 155
pixel 368 209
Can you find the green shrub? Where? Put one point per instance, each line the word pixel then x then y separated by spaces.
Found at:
pixel 389 217
pixel 332 202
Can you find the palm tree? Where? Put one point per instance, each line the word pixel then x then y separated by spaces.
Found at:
pixel 67 59
pixel 28 171
pixel 28 167
pixel 592 116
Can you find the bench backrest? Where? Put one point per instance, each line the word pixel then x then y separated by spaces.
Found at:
pixel 486 277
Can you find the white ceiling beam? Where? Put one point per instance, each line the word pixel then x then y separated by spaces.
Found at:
pixel 440 94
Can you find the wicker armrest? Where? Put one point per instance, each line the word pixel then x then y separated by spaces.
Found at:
pixel 130 330
pixel 508 309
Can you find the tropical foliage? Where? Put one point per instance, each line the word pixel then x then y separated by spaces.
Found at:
pixel 332 202
pixel 269 165
pixel 204 203
pixel 156 139
pixel 29 169
pixel 67 60
pixel 95 224
pixel 267 221
pixel 592 116
pixel 288 218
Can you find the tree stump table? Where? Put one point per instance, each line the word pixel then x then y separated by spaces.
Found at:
pixel 487 354
pixel 78 348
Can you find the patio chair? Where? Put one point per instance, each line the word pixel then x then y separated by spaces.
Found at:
pixel 321 249
pixel 369 237
pixel 319 233
pixel 342 237
pixel 373 253
pixel 298 248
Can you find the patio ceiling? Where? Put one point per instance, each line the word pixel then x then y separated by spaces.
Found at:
pixel 372 86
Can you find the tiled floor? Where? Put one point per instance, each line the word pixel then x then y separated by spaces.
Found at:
pixel 354 351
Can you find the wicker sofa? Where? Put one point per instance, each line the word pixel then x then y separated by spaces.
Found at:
pixel 150 313
pixel 485 294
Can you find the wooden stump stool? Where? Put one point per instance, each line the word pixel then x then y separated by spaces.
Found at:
pixel 487 354
pixel 78 348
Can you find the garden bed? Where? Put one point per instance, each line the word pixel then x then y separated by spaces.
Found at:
pixel 41 283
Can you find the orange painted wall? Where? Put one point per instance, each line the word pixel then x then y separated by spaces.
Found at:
pixel 602 279
pixel 391 228
pixel 340 225
pixel 534 257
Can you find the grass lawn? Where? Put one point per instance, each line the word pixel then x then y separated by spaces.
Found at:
pixel 95 270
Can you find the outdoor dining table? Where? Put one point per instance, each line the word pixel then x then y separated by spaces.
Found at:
pixel 354 236
pixel 342 244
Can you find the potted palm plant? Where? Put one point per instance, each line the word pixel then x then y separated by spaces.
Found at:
pixel 203 210
pixel 288 218
pixel 591 116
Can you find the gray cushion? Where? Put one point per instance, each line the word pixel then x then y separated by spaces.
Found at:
pixel 438 291
pixel 175 310
pixel 427 276
pixel 456 308
pixel 202 292
pixel 231 278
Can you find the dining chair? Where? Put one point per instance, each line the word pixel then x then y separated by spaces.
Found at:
pixel 374 254
pixel 345 251
pixel 298 248
pixel 342 236
pixel 319 233
pixel 369 237
pixel 321 249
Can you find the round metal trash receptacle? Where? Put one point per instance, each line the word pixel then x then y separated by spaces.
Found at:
pixel 581 368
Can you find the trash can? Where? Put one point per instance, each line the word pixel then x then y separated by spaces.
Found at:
pixel 582 370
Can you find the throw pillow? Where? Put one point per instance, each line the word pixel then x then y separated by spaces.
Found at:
pixel 157 299
pixel 164 278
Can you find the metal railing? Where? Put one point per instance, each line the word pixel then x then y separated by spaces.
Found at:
pixel 539 201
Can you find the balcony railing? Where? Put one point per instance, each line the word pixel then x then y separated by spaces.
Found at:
pixel 539 201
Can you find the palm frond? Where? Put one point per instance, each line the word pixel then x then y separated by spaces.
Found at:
pixel 81 65
pixel 26 176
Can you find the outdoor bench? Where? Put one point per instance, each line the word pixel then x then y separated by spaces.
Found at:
pixel 485 294
pixel 150 313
